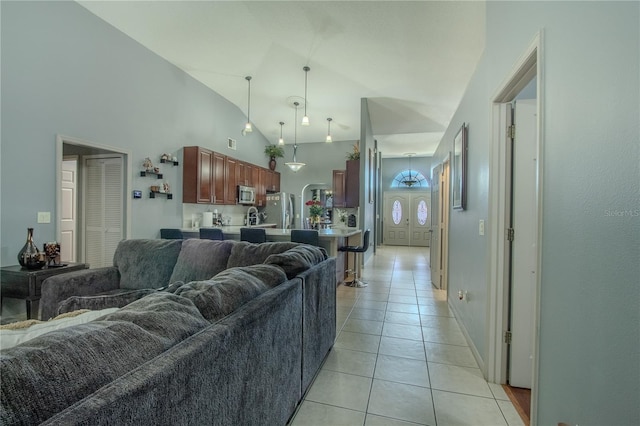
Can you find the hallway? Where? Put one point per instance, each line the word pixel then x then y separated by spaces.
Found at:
pixel 400 357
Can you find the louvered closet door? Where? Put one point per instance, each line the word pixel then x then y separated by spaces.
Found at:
pixel 103 205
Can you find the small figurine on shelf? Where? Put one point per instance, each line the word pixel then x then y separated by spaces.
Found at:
pixel 52 251
pixel 148 164
pixel 165 157
pixel 166 188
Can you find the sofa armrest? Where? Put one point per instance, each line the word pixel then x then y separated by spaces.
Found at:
pixel 86 282
pixel 318 317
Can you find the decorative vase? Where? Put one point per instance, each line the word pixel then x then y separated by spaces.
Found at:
pixel 272 163
pixel 30 257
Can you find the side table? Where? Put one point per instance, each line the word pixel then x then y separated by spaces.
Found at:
pixel 26 284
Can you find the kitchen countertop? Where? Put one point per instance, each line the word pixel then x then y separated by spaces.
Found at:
pixel 232 231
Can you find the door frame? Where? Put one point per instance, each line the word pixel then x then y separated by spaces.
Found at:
pixel 61 140
pixel 445 218
pixel 529 65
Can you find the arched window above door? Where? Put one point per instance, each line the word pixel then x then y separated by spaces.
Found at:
pixel 409 179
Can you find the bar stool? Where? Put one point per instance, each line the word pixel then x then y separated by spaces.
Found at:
pixel 253 235
pixel 306 236
pixel 171 234
pixel 356 250
pixel 211 234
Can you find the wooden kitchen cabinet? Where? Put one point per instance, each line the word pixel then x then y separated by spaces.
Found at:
pixel 339 188
pixel 245 174
pixel 219 183
pixel 261 192
pixel 352 184
pixel 197 175
pixel 203 179
pixel 231 175
pixel 273 181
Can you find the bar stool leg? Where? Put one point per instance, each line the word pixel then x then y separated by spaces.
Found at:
pixel 356 282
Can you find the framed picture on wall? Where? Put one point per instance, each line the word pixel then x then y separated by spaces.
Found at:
pixel 459 175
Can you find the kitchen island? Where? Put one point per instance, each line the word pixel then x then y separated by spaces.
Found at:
pixel 330 240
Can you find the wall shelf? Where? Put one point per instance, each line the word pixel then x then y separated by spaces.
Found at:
pixel 144 173
pixel 175 163
pixel 152 194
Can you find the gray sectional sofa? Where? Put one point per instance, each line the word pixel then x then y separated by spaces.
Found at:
pixel 209 332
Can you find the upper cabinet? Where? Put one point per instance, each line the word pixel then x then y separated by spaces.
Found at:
pixel 231 177
pixel 339 188
pixel 273 181
pixel 197 180
pixel 218 184
pixel 212 178
pixel 352 184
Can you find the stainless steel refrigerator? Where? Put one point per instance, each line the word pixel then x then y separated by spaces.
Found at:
pixel 279 210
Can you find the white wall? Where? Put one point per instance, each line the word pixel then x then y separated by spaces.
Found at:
pixel 590 302
pixel 65 71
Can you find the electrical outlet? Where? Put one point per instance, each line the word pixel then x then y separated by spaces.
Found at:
pixel 481 227
pixel 44 217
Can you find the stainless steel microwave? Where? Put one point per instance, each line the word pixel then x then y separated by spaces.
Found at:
pixel 246 195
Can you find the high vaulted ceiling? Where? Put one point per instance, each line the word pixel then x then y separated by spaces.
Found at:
pixel 412 60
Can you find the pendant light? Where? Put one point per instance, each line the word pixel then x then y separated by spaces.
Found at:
pixel 247 127
pixel 305 119
pixel 294 165
pixel 281 140
pixel 329 138
pixel 411 180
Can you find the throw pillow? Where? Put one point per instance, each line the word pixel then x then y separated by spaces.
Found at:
pixel 246 254
pixel 297 259
pixel 201 259
pixel 146 263
pixel 227 291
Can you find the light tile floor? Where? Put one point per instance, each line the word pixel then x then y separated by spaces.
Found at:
pixel 400 357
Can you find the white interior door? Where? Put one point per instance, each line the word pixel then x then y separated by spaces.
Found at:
pixel 68 217
pixel 435 226
pixel 103 208
pixel 523 260
pixel 396 219
pixel 420 219
pixel 443 215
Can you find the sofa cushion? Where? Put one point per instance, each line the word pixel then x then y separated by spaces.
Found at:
pixel 245 254
pixel 47 366
pixel 162 314
pixel 146 263
pixel 230 289
pixel 112 299
pixel 201 259
pixel 297 259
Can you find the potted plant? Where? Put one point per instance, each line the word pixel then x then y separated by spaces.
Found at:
pixel 355 155
pixel 273 152
pixel 315 211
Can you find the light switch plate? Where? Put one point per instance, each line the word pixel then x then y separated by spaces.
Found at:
pixel 44 217
pixel 481 227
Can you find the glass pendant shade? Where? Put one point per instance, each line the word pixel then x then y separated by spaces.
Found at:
pixel 281 139
pixel 329 139
pixel 294 165
pixel 248 128
pixel 305 119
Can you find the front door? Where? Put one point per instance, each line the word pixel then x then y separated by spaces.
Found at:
pixel 396 219
pixel 420 222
